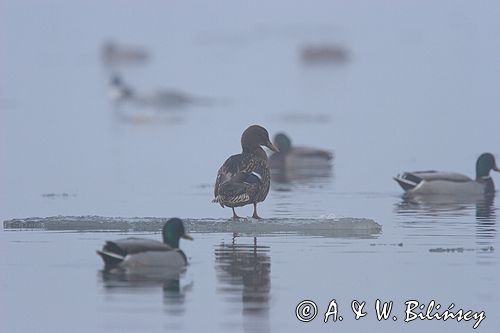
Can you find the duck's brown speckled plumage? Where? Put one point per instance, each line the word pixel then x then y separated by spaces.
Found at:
pixel 245 178
pixel 230 186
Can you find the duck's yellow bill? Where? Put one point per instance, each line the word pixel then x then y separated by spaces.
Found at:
pixel 270 145
pixel 187 236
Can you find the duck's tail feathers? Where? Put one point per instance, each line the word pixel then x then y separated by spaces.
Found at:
pixel 110 259
pixel 407 181
pixel 237 199
pixel 218 199
pixel 232 201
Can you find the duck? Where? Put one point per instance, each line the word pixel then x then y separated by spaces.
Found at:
pixel 113 53
pixel 245 178
pixel 297 156
pixel 451 183
pixel 161 99
pixel 324 54
pixel 137 253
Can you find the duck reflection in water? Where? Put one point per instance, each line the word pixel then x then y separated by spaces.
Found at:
pixel 433 208
pixel 485 209
pixel 244 274
pixel 172 284
pixel 299 164
pixel 447 205
pixel 486 224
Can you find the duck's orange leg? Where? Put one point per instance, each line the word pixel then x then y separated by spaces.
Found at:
pixel 235 217
pixel 255 215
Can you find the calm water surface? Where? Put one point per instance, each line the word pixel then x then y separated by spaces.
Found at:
pixel 420 91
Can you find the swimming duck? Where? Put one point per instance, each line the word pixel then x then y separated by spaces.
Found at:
pixel 297 156
pixel 116 54
pixel 449 183
pixel 324 54
pixel 147 253
pixel 162 99
pixel 245 178
pixel 159 99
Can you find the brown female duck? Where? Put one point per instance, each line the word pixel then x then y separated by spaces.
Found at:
pixel 245 178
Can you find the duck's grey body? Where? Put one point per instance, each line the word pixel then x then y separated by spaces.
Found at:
pixel 141 253
pixel 167 99
pixel 301 158
pixel 436 182
pixel 451 183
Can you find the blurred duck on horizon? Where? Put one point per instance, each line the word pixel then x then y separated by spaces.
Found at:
pixel 324 54
pixel 298 162
pixel 113 53
pixel 450 183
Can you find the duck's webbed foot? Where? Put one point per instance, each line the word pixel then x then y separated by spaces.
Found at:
pixel 235 217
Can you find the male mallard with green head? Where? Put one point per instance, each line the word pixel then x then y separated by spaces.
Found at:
pixel 147 253
pixel 450 183
pixel 245 178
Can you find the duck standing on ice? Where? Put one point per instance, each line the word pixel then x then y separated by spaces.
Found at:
pixel 245 178
pixel 450 183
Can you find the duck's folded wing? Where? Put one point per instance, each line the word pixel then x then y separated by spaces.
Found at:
pixel 301 151
pixel 440 175
pixel 134 245
pixel 411 180
pixel 239 189
pixel 235 192
pixel 230 168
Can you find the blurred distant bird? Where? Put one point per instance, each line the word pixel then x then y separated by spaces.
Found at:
pixel 324 54
pixel 164 99
pixel 290 156
pixel 245 178
pixel 115 54
pixel 450 183
pixel 136 253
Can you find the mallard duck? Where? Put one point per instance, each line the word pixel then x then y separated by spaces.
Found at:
pixel 159 99
pixel 245 178
pixel 297 156
pixel 449 183
pixel 146 253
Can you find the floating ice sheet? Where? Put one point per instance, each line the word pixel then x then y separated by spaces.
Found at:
pixel 339 227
